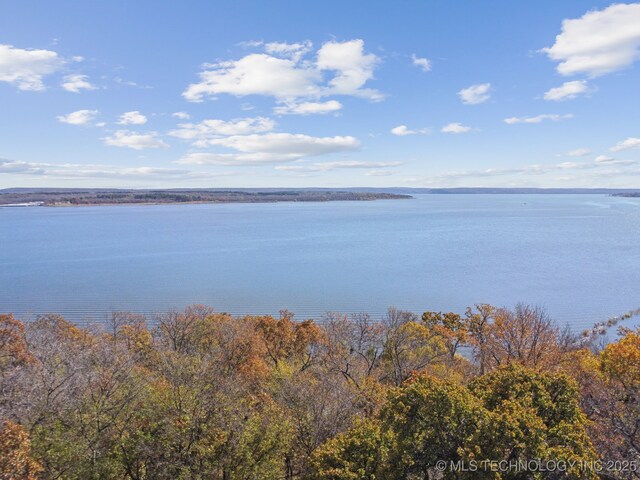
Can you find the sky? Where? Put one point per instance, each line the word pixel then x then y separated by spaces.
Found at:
pixel 440 93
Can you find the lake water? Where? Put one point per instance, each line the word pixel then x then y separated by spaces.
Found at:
pixel 577 255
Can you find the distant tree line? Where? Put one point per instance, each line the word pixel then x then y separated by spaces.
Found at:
pixel 101 197
pixel 197 394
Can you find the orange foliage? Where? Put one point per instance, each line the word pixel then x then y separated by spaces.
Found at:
pixel 13 348
pixel 15 454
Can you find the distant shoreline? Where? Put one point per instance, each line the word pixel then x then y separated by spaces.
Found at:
pixel 171 197
pixel 72 197
pixel 627 194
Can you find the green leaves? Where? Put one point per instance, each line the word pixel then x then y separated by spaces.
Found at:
pixel 512 414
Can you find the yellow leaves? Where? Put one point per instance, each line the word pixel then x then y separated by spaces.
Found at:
pixel 621 360
pixel 13 348
pixel 285 339
pixel 65 331
pixel 15 453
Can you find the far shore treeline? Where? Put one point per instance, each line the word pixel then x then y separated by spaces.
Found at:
pixel 70 197
pixel 198 394
pixel 120 196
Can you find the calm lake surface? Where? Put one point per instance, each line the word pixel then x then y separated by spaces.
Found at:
pixel 576 255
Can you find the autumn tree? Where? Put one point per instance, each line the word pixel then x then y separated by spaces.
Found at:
pixel 358 454
pixel 511 414
pixel 16 461
pixel 409 346
pixel 618 409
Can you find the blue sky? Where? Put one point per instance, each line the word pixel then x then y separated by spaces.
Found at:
pixel 334 94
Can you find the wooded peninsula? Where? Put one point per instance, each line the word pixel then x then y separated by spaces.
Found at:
pixel 70 197
pixel 198 394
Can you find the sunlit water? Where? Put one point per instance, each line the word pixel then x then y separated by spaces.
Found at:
pixel 577 255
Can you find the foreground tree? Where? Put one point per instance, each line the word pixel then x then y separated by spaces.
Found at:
pixel 512 414
pixel 202 394
pixel 618 408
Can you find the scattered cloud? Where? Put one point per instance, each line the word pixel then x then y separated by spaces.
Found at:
pixel 132 118
pixel 604 159
pixel 379 173
pixel 130 83
pixel 329 166
pixel 308 108
pixel 79 117
pixel 455 128
pixel 403 130
pixel 422 63
pixel 578 152
pixel 251 43
pixel 135 140
pixel 599 42
pixel 284 73
pixel 567 91
pixel 26 69
pixel 295 51
pixel 255 74
pixel 204 133
pixel 475 94
pixel 71 170
pixel 76 83
pixel 628 144
pixel 599 168
pixel 352 67
pixel 537 119
pixel 270 148
pixel 181 115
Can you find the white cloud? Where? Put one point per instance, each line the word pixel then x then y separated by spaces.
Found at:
pixel 598 168
pixel 352 66
pixel 599 42
pixel 270 148
pixel 475 94
pixel 132 118
pixel 292 77
pixel 26 68
pixel 379 173
pixel 181 115
pixel 329 166
pixel 288 144
pixel 79 117
pixel 308 108
pixel 402 130
pixel 578 152
pixel 567 90
pixel 71 170
pixel 135 140
pixel 129 83
pixel 294 51
pixel 455 128
pixel 423 63
pixel 211 158
pixel 255 74
pixel 203 133
pixel 537 119
pixel 628 144
pixel 606 160
pixel 75 83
